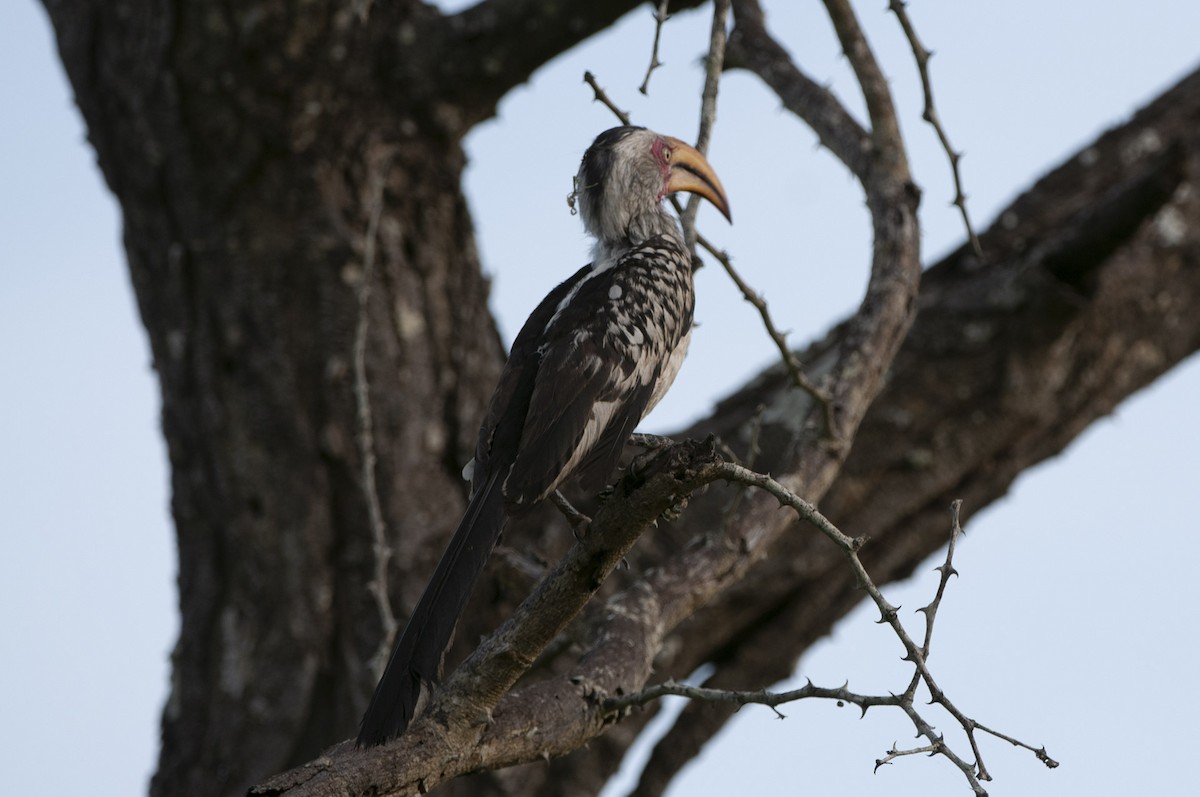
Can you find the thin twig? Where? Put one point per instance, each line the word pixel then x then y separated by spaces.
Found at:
pixel 660 18
pixel 932 749
pixel 794 368
pixel 602 96
pixel 714 66
pixel 760 697
pixel 930 115
pixel 885 128
pixel 1040 752
pixel 366 433
pixel 714 62
pixel 945 571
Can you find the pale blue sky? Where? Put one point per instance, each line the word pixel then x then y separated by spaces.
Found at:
pixel 1072 625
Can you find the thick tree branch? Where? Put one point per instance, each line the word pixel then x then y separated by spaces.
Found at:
pixel 496 45
pixel 457 733
pixel 885 126
pixel 752 47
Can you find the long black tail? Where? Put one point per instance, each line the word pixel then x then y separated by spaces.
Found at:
pixel 417 658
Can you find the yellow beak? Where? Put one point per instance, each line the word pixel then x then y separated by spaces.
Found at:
pixel 691 172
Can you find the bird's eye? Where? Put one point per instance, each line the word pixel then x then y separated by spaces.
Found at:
pixel 667 154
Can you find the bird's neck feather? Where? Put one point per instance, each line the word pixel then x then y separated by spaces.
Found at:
pixel 612 244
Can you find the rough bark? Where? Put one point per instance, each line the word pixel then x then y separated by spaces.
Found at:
pixel 249 147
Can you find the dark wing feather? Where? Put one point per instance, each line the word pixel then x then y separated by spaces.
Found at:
pixel 504 422
pixel 591 390
pixel 594 469
pixel 565 413
pixel 416 659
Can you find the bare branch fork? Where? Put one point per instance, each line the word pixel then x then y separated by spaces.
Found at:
pixel 974 773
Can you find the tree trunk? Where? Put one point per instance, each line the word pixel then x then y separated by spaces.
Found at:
pixel 247 195
pixel 274 160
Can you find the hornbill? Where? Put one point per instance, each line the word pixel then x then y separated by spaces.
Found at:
pixel 594 357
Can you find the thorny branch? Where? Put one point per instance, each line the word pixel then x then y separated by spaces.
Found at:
pixel 893 753
pixel 760 697
pixel 945 571
pixel 930 115
pixel 790 361
pixel 366 433
pixel 974 773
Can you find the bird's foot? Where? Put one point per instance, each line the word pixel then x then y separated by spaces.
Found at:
pixel 579 521
pixel 650 442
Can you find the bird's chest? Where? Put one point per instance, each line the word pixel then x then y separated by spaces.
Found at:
pixel 646 310
pixel 647 323
pixel 628 320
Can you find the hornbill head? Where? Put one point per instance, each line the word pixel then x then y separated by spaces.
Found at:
pixel 626 173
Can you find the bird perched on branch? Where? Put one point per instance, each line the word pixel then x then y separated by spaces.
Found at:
pixel 594 357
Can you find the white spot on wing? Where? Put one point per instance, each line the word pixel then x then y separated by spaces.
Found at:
pixel 615 292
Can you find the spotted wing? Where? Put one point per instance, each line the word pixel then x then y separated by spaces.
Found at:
pixel 604 356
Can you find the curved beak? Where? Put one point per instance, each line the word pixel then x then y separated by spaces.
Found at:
pixel 691 172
